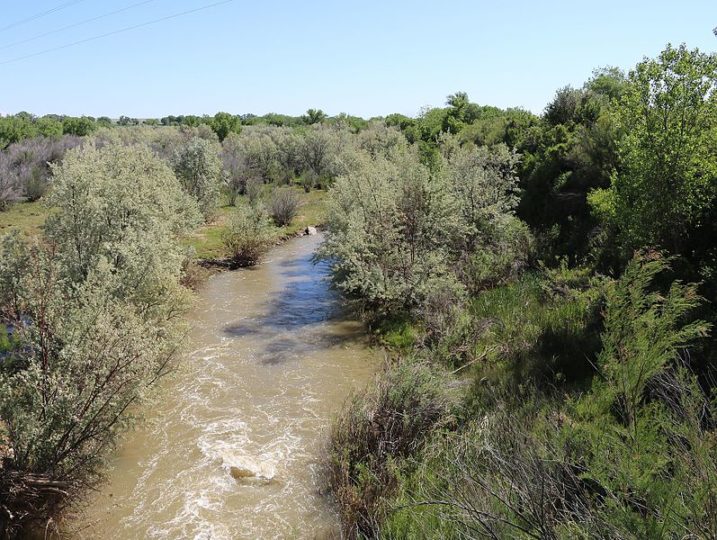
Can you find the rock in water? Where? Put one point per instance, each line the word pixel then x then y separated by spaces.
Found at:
pixel 238 473
pixel 310 231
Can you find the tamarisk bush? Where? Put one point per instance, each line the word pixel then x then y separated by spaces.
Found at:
pixel 633 457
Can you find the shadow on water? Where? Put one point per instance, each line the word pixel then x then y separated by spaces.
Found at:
pixel 292 318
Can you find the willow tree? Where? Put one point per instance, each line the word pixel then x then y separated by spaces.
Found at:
pixel 198 168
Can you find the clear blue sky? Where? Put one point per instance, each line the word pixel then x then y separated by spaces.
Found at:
pixel 363 57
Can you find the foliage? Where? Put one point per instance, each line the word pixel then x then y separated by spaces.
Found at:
pixel 25 166
pixel 79 127
pixel 95 312
pixel 248 235
pixel 391 225
pixel 378 431
pixel 198 168
pixel 667 183
pixel 400 235
pixel 314 116
pixel 283 206
pixel 631 458
pixel 122 205
pixel 318 152
pixel 23 125
pixel 570 153
pixel 224 123
pixel 643 414
pixel 235 167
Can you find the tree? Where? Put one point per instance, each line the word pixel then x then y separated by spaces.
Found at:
pixel 392 226
pixel 667 179
pixel 224 123
pixel 78 126
pixel 317 151
pixel 127 121
pixel 563 109
pixel 198 168
pixel 49 127
pixel 460 113
pixel 314 116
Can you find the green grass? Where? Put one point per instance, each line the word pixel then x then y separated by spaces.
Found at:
pixel 27 217
pixel 207 240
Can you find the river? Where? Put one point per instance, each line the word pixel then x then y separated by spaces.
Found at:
pixel 233 447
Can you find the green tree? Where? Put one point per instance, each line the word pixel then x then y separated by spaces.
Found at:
pixel 224 123
pixel 667 181
pixel 314 116
pixel 78 126
pixel 49 127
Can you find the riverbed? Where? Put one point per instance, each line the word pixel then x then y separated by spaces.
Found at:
pixel 233 447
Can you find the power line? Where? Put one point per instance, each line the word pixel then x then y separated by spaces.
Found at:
pixel 33 38
pixel 40 15
pixel 114 32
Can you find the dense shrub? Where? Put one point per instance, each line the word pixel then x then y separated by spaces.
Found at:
pixel 377 430
pixel 25 166
pixel 248 235
pixel 23 126
pixel 634 457
pixel 283 206
pixel 391 228
pixel 95 312
pixel 123 205
pixel 318 151
pixel 400 234
pixel 198 168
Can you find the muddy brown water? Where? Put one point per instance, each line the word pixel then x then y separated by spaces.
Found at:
pixel 233 447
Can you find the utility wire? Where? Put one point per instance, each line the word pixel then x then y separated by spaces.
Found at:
pixel 33 38
pixel 114 32
pixel 40 15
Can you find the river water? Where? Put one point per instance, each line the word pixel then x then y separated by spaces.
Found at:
pixel 233 447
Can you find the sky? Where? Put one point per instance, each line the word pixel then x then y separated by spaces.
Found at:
pixel 367 58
